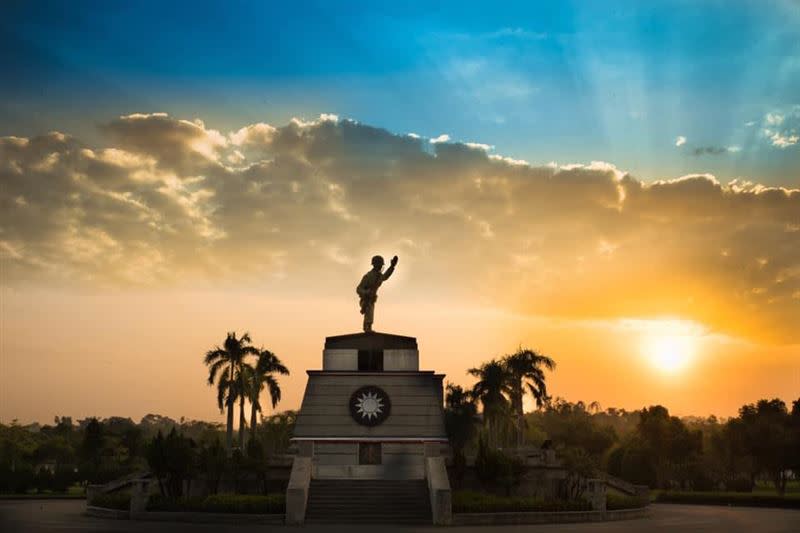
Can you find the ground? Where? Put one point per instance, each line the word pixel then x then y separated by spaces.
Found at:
pixel 36 516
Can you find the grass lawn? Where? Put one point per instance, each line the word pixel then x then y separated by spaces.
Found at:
pixel 757 498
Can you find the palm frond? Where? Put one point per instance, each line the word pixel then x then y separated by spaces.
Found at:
pixel 274 390
pixel 214 355
pixel 215 368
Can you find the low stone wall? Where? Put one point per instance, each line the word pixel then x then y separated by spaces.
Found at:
pixel 499 519
pixel 209 518
pixel 197 518
pixel 102 512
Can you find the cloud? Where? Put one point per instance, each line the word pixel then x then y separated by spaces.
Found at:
pixel 443 138
pixel 715 150
pixel 782 128
pixel 680 140
pixel 300 205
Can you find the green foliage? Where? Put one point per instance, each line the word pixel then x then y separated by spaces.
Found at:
pixel 580 466
pixel 740 484
pixel 275 432
pixel 50 459
pixel 571 425
pixel 221 503
pixel 112 500
pixel 524 371
pixel 730 498
pixel 771 436
pixel 213 462
pixel 259 376
pixel 616 502
pixel 489 390
pixel 495 468
pixel 461 423
pixel 465 501
pixel 171 460
pixel 638 464
pixel 228 368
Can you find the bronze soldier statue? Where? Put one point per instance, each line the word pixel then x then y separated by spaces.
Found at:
pixel 368 288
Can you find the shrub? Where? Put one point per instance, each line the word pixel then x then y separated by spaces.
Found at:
pixel 615 502
pixel 730 498
pixel 493 467
pixel 245 503
pixel 221 503
pixel 741 484
pixel 466 501
pixel 112 500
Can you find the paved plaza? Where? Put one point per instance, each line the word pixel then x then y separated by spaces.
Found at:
pixel 36 516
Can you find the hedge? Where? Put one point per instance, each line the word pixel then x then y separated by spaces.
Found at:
pixel 730 498
pixel 616 502
pixel 112 500
pixel 466 501
pixel 222 503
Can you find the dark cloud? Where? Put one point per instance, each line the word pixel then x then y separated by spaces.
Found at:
pixel 303 204
pixel 712 150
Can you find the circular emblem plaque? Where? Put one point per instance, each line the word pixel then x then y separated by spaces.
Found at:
pixel 370 405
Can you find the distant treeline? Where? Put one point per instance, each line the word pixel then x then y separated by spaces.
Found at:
pixel 651 447
pixel 53 458
pixel 647 446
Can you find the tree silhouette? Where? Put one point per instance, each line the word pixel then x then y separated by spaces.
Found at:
pixel 460 420
pixel 492 381
pixel 226 367
pixel 524 371
pixel 260 375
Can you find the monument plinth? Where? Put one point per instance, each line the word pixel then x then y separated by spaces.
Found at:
pixel 371 421
pixel 370 411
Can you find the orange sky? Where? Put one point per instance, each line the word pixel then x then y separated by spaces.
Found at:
pixel 131 353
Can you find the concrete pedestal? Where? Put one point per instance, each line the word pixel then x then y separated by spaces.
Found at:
pixel 371 414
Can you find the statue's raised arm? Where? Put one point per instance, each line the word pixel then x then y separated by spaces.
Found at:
pixel 367 290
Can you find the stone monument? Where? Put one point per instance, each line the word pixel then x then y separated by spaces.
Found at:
pixel 370 432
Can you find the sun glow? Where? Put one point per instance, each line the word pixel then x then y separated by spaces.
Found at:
pixel 670 346
pixel 670 353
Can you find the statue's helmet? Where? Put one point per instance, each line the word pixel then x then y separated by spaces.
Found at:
pixel 377 261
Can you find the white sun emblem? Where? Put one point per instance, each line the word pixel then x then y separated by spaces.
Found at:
pixel 369 406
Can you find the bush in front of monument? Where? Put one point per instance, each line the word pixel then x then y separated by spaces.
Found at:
pixel 493 468
pixel 221 503
pixel 470 501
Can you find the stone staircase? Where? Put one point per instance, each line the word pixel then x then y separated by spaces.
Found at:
pixel 340 501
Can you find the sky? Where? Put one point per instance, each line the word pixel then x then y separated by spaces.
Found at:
pixel 614 184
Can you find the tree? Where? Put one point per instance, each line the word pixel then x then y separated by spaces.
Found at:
pixel 259 375
pixel 524 371
pixel 460 421
pixel 768 438
pixel 226 367
pixel 580 466
pixel 492 382
pixel 670 443
pixel 276 432
pixel 171 460
pixel 213 462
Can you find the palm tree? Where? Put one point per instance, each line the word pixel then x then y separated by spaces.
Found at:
pixel 460 422
pixel 226 367
pixel 525 370
pixel 492 382
pixel 460 417
pixel 262 374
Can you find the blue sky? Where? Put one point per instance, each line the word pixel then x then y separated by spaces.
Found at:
pixel 565 82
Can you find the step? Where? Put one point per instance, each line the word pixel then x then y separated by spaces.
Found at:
pixel 368 502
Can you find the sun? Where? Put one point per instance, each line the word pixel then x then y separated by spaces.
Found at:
pixel 670 353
